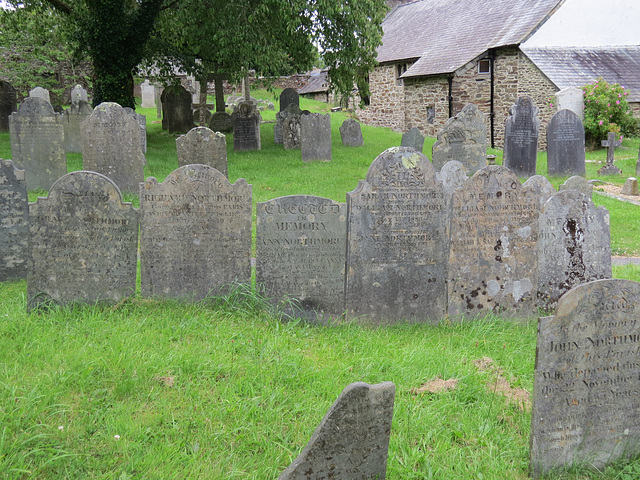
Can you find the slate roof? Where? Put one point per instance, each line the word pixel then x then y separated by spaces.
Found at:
pixel 577 66
pixel 444 35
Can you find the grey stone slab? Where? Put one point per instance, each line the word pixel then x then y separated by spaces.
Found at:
pixel 574 245
pixel 463 138
pixel 148 94
pixel 14 222
pixel 453 176
pixel 542 186
pixel 158 96
pixel 37 142
pixel 142 123
pixel 571 98
pixel 289 96
pixel 315 137
pixel 72 119
pixel 398 241
pixel 195 236
pixel 177 115
pixel 521 137
pixel 493 258
pixel 203 146
pixel 111 146
pixel 565 144
pixel 578 183
pixel 587 379
pixel 352 441
pixel 39 92
pixel 300 255
pixel 83 243
pixel 221 122
pixel 8 104
pixel 246 127
pixel 79 94
pixel 280 118
pixel 290 128
pixel 630 187
pixel 351 133
pixel 413 139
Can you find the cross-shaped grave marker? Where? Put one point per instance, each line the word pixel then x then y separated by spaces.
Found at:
pixel 611 142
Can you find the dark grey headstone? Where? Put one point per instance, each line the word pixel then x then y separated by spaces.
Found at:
pixel 290 127
pixel 315 137
pixel 37 143
pixel 398 241
pixel 83 243
pixel 79 94
pixel 463 138
pixel 221 122
pixel 195 236
pixel 203 146
pixel 413 139
pixel 300 254
pixel 246 127
pixel 8 104
pixel 453 176
pixel 40 92
pixel 177 115
pixel 521 137
pixel 542 186
pixel 351 133
pixel 587 379
pixel 142 123
pixel 72 119
pixel 578 183
pixel 574 245
pixel 494 230
pixel 352 441
pixel 289 96
pixel 111 146
pixel 14 222
pixel 565 144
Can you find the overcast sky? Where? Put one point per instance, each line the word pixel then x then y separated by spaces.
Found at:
pixel 591 23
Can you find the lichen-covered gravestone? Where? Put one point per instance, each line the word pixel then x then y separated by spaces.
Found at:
pixel 300 254
pixel 78 94
pixel 315 137
pixel 246 127
pixel 280 119
pixel 521 137
pixel 565 144
pixel 542 186
pixel 413 139
pixel 72 119
pixel 37 143
pixel 8 104
pixel 142 123
pixel 177 115
pixel 586 407
pixel 578 183
pixel 83 243
pixel 195 234
pixel 351 133
pixel 203 146
pixel 14 222
pixel 352 441
pixel 40 92
pixel 453 176
pixel 398 241
pixel 290 131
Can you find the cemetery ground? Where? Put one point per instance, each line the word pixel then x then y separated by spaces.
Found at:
pixel 230 388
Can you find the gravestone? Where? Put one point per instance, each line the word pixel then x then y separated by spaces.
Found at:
pixel 72 119
pixel 142 123
pixel 203 146
pixel 578 183
pixel 352 441
pixel 300 254
pixel 289 96
pixel 148 94
pixel 397 241
pixel 221 122
pixel 14 222
pixel 315 137
pixel 574 245
pixel 159 90
pixel 195 236
pixel 611 143
pixel 587 379
pixel 637 164
pixel 453 176
pixel 37 143
pixel 79 94
pixel 111 146
pixel 8 104
pixel 571 98
pixel 463 138
pixel 630 187
pixel 542 186
pixel 291 131
pixel 413 139
pixel 351 133
pixel 521 137
pixel 39 92
pixel 280 118
pixel 83 243
pixel 246 127
pixel 494 230
pixel 177 115
pixel 565 144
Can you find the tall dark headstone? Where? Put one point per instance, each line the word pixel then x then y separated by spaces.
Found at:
pixel 14 222
pixel 413 139
pixel 177 115
pixel 315 137
pixel 203 146
pixel 565 144
pixel 351 133
pixel 8 104
pixel 246 121
pixel 72 119
pixel 289 96
pixel 521 137
pixel 221 122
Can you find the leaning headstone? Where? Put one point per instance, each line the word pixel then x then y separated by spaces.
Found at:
pixel 352 441
pixel 14 222
pixel 39 92
pixel 300 255
pixel 148 94
pixel 463 138
pixel 289 96
pixel 72 119
pixel 351 133
pixel 111 146
pixel 291 131
pixel 280 118
pixel 8 104
pixel 574 245
pixel 587 379
pixel 398 241
pixel 37 143
pixel 453 176
pixel 79 94
pixel 542 186
pixel 565 144
pixel 578 183
pixel 611 143
pixel 315 137
pixel 521 137
pixel 630 187
pixel 221 122
pixel 203 146
pixel 493 262
pixel 195 236
pixel 142 123
pixel 571 98
pixel 413 139
pixel 177 114
pixel 246 127
pixel 83 243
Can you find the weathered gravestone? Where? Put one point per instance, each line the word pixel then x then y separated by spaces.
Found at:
pixel 300 254
pixel 148 94
pixel 637 163
pixel 83 243
pixel 315 137
pixel 611 143
pixel 351 133
pixel 630 187
pixel 574 245
pixel 578 183
pixel 246 127
pixel 291 131
pixel 463 138
pixel 159 90
pixel 177 115
pixel 586 407
pixel 413 139
pixel 195 236
pixel 352 441
pixel 521 137
pixel 111 146
pixel 289 96
pixel 453 176
pixel 571 98
pixel 494 230
pixel 542 186
pixel 397 241
pixel 280 119
pixel 8 104
pixel 203 146
pixel 565 144
pixel 221 122
pixel 72 119
pixel 14 222
pixel 142 123
pixel 78 94
pixel 39 92
pixel 37 143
